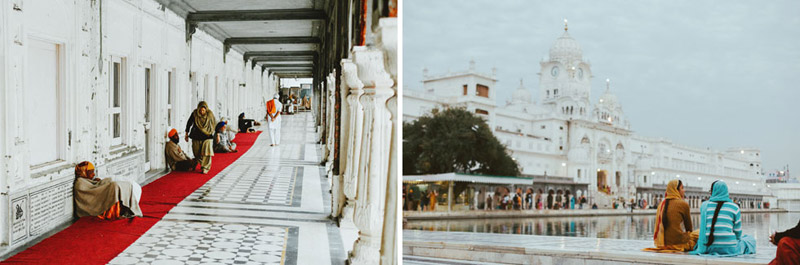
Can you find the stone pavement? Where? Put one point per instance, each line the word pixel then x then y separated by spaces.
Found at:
pixel 268 207
pixel 530 249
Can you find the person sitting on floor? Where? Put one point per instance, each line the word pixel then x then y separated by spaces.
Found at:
pixel 788 243
pixel 672 218
pixel 721 226
pixel 176 158
pixel 222 144
pixel 229 130
pixel 246 124
pixel 105 198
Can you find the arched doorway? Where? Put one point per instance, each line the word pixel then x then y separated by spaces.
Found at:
pixel 602 181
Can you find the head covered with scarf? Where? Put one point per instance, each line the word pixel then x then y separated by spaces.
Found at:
pixel 719 195
pixel 204 122
pixel 672 193
pixel 84 169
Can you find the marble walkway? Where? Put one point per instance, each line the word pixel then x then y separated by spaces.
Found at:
pixel 431 247
pixel 268 207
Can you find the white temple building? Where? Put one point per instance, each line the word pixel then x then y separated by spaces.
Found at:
pixel 565 141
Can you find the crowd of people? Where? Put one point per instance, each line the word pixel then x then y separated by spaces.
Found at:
pixel 293 103
pixel 110 200
pixel 501 199
pixel 504 199
pixel 416 200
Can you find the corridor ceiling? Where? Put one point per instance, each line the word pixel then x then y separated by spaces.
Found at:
pixel 282 36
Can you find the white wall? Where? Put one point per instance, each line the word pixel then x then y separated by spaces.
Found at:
pixel 146 36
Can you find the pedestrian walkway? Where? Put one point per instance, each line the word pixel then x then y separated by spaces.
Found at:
pixel 268 207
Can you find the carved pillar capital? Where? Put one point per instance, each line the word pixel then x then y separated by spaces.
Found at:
pixel 371 67
pixel 387 40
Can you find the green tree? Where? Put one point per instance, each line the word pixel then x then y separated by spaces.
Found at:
pixel 454 140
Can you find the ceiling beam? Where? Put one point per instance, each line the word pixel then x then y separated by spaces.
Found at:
pixel 290 72
pixel 248 55
pixel 292 75
pixel 272 40
pixel 283 59
pixel 255 15
pixel 301 73
pixel 291 68
pixel 272 65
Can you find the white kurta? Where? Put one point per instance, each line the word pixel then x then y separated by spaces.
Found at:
pixel 275 126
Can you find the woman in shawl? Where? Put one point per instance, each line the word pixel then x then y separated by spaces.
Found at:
pixel 105 198
pixel 788 243
pixel 673 231
pixel 200 127
pixel 721 226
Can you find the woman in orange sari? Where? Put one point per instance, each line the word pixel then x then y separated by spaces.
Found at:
pixel 673 231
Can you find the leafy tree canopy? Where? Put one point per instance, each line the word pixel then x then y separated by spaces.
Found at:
pixel 454 140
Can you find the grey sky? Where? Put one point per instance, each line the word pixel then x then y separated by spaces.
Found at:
pixel 713 74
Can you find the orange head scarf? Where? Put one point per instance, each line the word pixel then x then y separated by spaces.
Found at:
pixel 672 193
pixel 83 168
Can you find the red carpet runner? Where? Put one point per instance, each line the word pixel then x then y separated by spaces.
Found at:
pixel 94 241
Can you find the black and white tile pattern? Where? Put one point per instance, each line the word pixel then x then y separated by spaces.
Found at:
pixel 251 184
pixel 265 208
pixel 177 242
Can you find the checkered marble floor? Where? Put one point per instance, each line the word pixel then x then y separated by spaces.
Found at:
pixel 251 184
pixel 179 242
pixel 268 207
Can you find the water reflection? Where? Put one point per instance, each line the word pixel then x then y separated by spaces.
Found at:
pixel 759 225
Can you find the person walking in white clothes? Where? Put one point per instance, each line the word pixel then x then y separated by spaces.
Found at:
pixel 273 118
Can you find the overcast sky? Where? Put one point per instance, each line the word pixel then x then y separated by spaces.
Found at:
pixel 716 74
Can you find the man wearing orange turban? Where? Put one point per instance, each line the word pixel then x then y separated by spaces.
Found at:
pixel 176 158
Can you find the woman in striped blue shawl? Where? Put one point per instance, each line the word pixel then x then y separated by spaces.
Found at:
pixel 721 226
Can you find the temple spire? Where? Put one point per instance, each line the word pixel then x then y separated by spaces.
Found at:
pixel 608 83
pixel 565 24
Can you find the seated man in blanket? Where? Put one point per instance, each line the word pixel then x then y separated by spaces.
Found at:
pixel 105 198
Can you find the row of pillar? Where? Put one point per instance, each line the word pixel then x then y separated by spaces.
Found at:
pixel 364 191
pixel 696 201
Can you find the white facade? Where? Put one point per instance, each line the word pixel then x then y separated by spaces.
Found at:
pixel 566 135
pixel 101 81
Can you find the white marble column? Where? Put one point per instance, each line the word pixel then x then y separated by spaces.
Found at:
pixel 331 119
pixel 349 146
pixel 374 165
pixel 387 39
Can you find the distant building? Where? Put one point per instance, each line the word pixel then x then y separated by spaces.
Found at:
pixel 567 136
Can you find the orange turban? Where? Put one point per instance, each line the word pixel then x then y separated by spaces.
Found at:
pixel 82 168
pixel 172 132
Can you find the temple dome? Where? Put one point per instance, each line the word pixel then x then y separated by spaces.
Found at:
pixel 566 49
pixel 609 99
pixel 521 95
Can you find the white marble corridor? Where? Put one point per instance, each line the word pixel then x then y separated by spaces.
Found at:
pixel 268 207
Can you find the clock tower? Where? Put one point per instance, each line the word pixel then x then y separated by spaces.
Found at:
pixel 565 79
